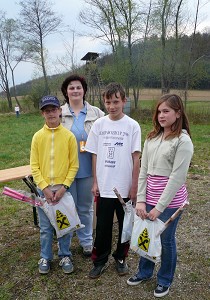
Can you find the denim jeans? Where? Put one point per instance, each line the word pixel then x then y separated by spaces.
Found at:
pixel 83 198
pixel 46 238
pixel 167 268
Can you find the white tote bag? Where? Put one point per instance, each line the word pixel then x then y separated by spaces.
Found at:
pixel 63 216
pixel 145 239
pixel 128 221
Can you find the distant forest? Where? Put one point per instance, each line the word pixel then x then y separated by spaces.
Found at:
pixel 147 59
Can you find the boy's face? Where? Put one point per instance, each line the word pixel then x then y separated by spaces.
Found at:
pixel 114 106
pixel 51 114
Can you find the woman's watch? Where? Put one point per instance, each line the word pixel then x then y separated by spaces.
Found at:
pixel 66 186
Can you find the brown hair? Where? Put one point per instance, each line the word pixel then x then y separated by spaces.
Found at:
pixel 112 89
pixel 174 102
pixel 69 79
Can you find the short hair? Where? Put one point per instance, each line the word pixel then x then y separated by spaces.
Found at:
pixel 73 77
pixel 174 102
pixel 112 89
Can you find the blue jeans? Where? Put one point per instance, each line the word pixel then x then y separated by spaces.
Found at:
pixel 83 198
pixel 46 238
pixel 167 268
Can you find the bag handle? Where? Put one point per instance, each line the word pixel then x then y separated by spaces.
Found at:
pixel 176 214
pixel 119 197
pixel 173 217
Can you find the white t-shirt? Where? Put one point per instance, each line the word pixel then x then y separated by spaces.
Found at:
pixel 114 142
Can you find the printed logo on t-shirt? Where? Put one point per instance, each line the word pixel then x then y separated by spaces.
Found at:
pixel 110 153
pixel 118 144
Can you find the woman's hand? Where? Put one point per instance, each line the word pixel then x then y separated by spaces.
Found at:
pixel 141 210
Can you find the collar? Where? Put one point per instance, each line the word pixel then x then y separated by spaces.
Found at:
pixel 83 110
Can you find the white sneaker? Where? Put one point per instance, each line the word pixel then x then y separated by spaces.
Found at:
pixel 87 250
pixel 66 265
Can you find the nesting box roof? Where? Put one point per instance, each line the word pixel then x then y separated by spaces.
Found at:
pixel 90 56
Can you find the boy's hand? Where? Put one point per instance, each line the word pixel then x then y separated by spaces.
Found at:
pixel 49 195
pixel 59 194
pixel 133 194
pixel 95 190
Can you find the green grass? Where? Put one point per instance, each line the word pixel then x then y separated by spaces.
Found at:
pixel 201 157
pixel 19 241
pixel 16 135
pixel 15 138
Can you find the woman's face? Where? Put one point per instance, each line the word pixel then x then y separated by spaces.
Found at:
pixel 75 91
pixel 167 116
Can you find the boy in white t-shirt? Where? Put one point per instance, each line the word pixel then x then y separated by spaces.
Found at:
pixel 115 142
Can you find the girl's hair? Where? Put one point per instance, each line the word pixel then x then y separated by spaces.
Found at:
pixel 174 102
pixel 69 79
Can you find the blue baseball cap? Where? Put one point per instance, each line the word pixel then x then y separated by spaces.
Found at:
pixel 49 100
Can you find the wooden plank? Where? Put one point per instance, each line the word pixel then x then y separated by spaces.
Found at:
pixel 14 173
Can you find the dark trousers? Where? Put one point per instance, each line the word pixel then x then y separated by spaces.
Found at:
pixel 105 209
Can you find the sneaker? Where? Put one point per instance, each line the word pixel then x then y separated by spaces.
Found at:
pixel 134 280
pixel 66 265
pixel 121 267
pixel 44 266
pixel 87 250
pixel 97 271
pixel 161 291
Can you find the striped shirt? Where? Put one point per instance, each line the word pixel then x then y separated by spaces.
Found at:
pixel 155 188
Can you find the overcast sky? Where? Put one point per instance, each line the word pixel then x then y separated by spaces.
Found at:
pixel 70 9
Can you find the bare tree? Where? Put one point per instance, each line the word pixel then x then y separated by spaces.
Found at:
pixel 168 16
pixel 99 16
pixel 10 56
pixel 190 62
pixel 121 24
pixel 38 21
pixel 140 66
pixel 68 60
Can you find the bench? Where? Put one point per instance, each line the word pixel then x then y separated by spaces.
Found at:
pixel 20 173
pixel 15 174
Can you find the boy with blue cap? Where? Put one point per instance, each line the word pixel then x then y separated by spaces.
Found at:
pixel 54 164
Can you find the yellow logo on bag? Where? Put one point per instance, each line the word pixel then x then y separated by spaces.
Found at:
pixel 62 220
pixel 144 240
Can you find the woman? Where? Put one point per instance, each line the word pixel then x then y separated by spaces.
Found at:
pixel 166 157
pixel 79 116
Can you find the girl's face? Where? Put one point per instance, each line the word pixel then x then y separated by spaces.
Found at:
pixel 75 91
pixel 167 116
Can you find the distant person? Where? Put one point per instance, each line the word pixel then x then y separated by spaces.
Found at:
pixel 78 116
pixel 115 142
pixel 17 110
pixel 54 164
pixel 166 157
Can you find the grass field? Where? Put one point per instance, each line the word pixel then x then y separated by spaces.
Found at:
pixel 19 239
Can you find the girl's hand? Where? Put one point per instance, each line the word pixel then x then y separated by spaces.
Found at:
pixel 141 210
pixel 154 214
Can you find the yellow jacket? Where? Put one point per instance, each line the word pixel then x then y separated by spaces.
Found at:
pixel 54 157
